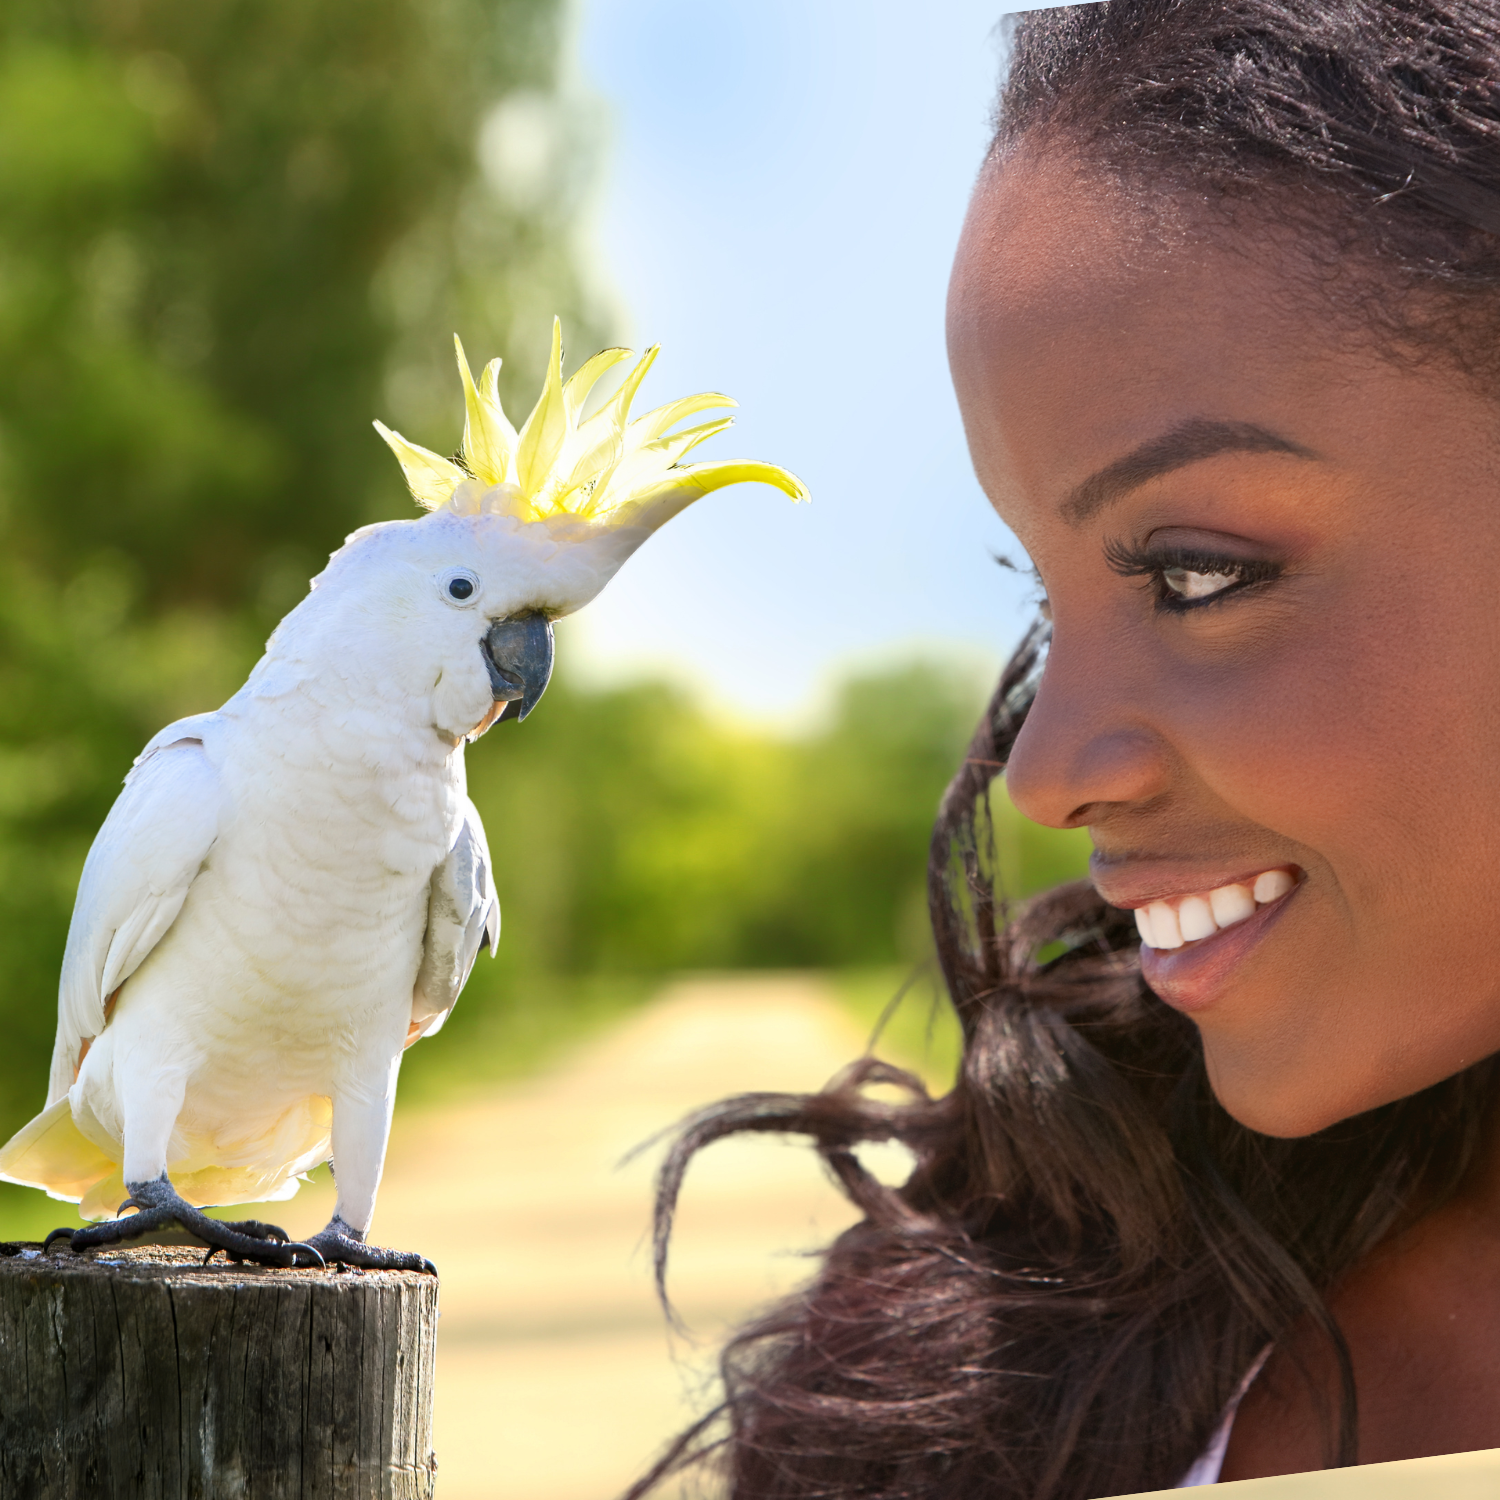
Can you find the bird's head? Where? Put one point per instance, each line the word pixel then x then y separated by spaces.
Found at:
pixel 523 527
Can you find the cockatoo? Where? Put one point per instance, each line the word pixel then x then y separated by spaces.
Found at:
pixel 293 889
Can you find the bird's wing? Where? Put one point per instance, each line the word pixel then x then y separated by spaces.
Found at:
pixel 462 916
pixel 136 877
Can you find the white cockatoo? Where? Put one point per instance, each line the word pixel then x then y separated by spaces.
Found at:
pixel 291 890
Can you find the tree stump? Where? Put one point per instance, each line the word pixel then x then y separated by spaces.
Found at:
pixel 144 1373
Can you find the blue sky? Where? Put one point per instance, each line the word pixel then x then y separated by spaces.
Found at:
pixel 779 200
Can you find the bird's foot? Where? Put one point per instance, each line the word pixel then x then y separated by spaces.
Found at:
pixel 342 1244
pixel 163 1215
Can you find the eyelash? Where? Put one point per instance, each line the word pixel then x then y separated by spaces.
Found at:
pixel 1138 562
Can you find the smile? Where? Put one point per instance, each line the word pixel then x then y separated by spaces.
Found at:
pixel 1193 942
pixel 1189 919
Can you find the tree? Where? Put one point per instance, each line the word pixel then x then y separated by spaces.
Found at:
pixel 231 234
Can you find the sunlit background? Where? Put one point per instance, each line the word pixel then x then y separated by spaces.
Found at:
pixel 230 235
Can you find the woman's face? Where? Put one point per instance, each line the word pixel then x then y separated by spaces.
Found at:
pixel 1272 559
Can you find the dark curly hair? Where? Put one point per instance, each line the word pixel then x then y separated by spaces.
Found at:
pixel 1090 1251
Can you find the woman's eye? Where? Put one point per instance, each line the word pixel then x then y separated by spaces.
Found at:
pixel 1185 579
pixel 1189 583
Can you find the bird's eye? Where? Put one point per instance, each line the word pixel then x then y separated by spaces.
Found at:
pixel 459 587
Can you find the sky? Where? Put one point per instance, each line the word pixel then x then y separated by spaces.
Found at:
pixel 780 192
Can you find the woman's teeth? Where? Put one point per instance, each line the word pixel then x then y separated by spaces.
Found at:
pixel 1163 925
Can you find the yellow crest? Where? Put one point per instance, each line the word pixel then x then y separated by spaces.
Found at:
pixel 605 468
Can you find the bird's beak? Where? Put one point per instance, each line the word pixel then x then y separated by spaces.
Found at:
pixel 518 654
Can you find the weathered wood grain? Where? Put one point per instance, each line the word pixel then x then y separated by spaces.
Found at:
pixel 144 1375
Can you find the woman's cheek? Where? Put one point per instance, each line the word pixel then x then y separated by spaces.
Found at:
pixel 1289 725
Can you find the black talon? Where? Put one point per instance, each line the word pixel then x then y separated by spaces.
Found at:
pixel 343 1245
pixel 159 1207
pixel 258 1230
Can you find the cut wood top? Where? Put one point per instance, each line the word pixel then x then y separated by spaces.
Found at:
pixel 183 1265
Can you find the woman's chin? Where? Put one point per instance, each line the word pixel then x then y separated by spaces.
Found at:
pixel 1289 1096
pixel 1284 1117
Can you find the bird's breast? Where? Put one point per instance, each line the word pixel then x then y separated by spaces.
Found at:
pixel 326 852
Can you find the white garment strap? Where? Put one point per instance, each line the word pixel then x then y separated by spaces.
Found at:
pixel 1211 1461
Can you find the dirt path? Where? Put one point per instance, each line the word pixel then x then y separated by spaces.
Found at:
pixel 556 1378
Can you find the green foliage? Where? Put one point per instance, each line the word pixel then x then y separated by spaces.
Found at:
pixel 659 838
pixel 1030 858
pixel 230 235
pixel 634 833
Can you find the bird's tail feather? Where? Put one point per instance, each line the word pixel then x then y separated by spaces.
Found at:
pixel 53 1154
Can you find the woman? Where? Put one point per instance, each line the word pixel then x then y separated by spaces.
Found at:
pixel 1225 330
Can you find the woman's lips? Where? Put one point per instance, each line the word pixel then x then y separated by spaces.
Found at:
pixel 1189 945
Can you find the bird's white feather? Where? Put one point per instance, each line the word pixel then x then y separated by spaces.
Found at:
pixel 135 880
pixel 462 916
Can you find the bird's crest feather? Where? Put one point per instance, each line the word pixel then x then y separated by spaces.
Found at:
pixel 603 469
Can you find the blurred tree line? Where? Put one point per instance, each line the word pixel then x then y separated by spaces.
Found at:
pixel 231 233
pixel 635 833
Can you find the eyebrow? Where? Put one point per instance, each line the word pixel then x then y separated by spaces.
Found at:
pixel 1188 443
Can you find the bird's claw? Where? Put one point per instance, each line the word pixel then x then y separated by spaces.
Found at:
pixel 302 1253
pixel 343 1246
pixel 256 1230
pixel 160 1208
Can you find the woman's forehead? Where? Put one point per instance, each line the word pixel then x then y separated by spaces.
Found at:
pixel 1041 217
pixel 1061 323
pixel 1082 326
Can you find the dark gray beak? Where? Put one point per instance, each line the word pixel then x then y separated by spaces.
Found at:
pixel 518 654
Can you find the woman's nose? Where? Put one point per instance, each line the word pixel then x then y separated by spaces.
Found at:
pixel 1084 750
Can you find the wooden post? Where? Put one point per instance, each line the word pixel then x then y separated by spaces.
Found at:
pixel 144 1373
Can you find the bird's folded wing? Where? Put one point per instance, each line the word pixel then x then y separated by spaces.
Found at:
pixel 462 915
pixel 137 875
